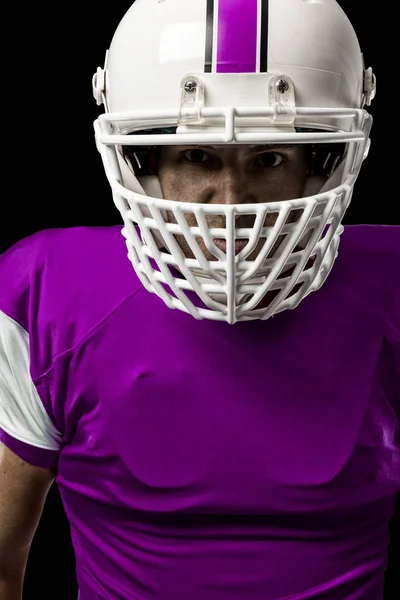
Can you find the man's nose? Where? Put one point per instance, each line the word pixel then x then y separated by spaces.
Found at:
pixel 232 188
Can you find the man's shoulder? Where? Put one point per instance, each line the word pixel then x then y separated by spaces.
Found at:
pixel 66 243
pixel 69 244
pixel 60 283
pixel 367 271
pixel 373 238
pixel 372 250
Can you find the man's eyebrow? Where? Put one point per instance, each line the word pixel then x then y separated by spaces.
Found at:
pixel 258 147
pixel 253 148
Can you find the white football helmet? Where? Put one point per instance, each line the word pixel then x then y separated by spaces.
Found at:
pixel 233 72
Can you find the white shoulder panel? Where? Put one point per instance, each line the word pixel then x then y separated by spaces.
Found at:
pixel 22 414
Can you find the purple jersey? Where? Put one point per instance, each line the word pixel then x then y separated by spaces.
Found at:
pixel 198 460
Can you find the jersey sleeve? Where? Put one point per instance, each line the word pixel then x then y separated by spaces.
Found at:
pixel 26 425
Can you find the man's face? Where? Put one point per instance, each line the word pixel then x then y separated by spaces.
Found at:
pixel 231 175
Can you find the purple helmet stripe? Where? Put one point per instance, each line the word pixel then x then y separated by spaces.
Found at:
pixel 237 36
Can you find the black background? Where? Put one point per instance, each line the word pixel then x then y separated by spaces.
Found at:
pixel 54 178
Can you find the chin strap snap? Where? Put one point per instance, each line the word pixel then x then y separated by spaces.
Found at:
pixel 369 86
pixel 99 84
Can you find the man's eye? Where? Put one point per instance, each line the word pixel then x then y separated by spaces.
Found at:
pixel 196 156
pixel 269 160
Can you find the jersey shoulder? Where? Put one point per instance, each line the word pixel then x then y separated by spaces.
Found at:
pixel 369 263
pixel 58 284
